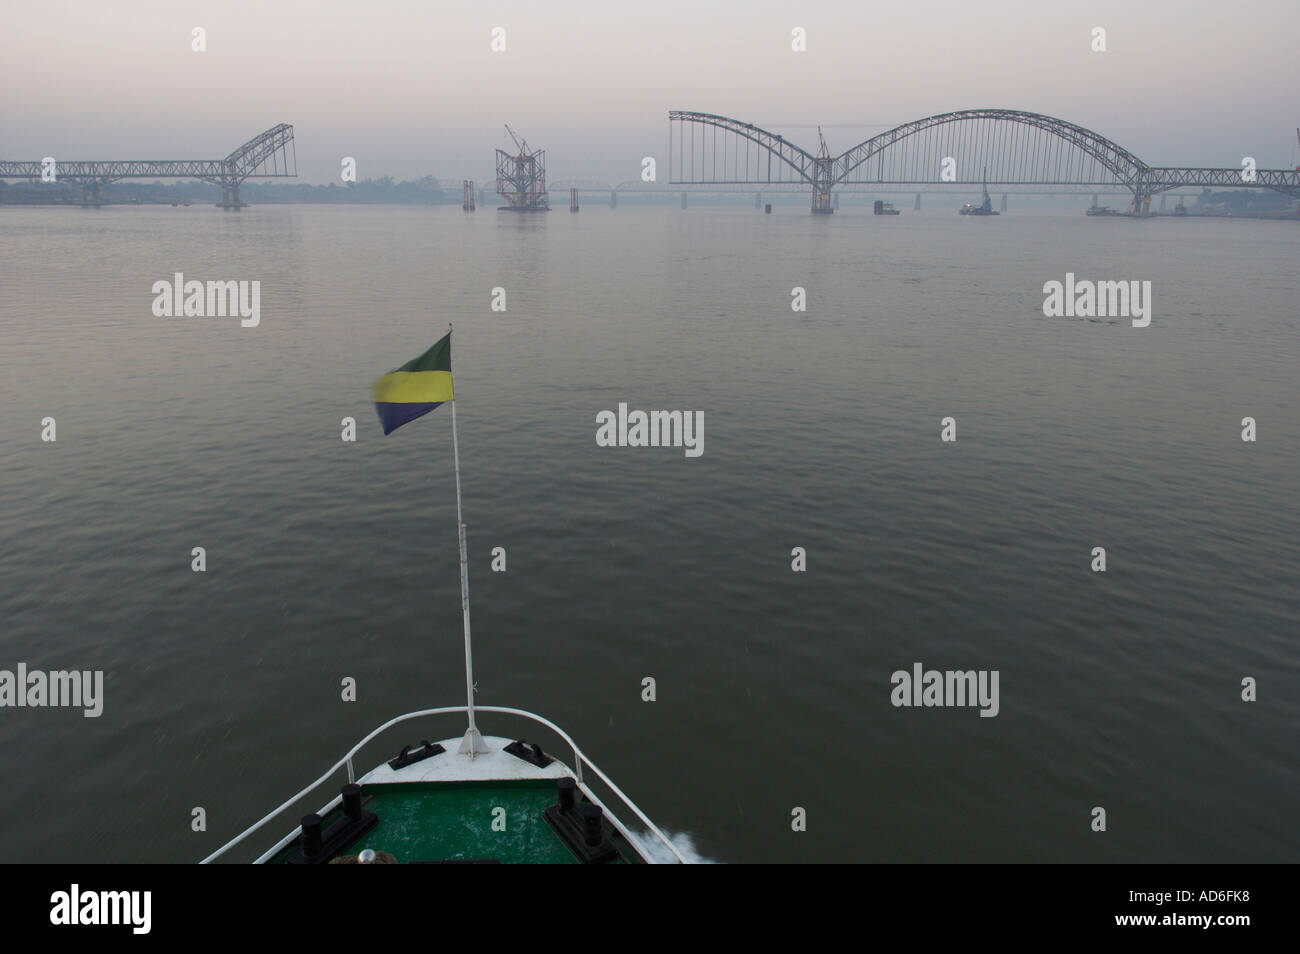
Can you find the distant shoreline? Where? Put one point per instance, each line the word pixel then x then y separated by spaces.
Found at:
pixel 383 191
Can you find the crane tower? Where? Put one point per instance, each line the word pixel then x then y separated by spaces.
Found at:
pixel 521 177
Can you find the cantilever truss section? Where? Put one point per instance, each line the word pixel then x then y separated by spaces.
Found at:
pixel 269 155
pixel 521 180
pixel 266 156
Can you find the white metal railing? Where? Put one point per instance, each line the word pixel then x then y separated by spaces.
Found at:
pixel 579 760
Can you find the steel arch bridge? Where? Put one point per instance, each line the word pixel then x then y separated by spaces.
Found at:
pixel 1000 146
pixel 268 155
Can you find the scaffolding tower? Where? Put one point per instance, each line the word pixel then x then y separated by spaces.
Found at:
pixel 521 178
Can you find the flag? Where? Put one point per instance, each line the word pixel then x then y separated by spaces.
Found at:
pixel 415 388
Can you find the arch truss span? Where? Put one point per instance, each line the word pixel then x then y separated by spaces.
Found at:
pixel 1004 146
pixel 1000 147
pixel 707 149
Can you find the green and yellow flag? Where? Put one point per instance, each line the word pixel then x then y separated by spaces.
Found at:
pixel 415 388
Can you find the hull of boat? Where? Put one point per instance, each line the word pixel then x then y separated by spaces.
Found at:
pixel 445 807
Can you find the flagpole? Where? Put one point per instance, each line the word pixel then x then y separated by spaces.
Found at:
pixel 472 744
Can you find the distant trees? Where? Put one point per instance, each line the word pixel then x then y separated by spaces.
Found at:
pixel 423 191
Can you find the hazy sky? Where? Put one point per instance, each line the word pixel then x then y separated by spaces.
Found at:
pixel 412 88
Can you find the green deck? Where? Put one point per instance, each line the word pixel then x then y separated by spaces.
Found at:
pixel 437 821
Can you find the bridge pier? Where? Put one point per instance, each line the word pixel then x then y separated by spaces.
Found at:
pixel 467 201
pixel 917 206
pixel 90 194
pixel 683 200
pixel 613 198
pixel 230 196
pixel 573 200
pixel 758 201
pixel 1141 200
pixel 1163 196
pixel 823 177
pixel 836 204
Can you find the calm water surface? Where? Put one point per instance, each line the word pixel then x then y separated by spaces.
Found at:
pixel 329 559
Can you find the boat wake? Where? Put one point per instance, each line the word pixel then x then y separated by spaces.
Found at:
pixel 652 847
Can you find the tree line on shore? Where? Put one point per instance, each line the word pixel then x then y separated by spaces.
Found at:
pixel 424 191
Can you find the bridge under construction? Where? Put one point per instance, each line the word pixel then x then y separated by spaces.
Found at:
pixel 521 177
pixel 1016 148
pixel 268 155
pixel 1012 150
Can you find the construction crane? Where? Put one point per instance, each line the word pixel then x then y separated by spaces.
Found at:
pixel 521 178
pixel 522 144
pixel 822 177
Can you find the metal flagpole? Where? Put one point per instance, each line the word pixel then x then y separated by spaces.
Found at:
pixel 472 744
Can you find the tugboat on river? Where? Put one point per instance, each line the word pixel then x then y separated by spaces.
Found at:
pixel 984 208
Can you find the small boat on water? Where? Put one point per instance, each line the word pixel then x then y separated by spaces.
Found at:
pixel 466 799
pixel 985 207
pixel 1105 210
pixel 884 208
